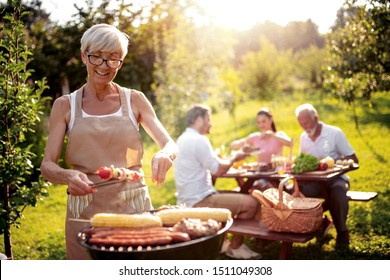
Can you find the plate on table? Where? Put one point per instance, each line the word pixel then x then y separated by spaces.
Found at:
pixel 251 150
pixel 234 171
pixel 266 172
pixel 328 171
pixel 260 167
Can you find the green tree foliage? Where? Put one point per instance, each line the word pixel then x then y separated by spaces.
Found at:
pixel 230 89
pixel 359 53
pixel 20 110
pixel 265 72
pixel 299 35
pixel 295 36
pixel 56 49
pixel 248 41
pixel 188 59
pixel 309 65
pixel 274 59
pixel 343 15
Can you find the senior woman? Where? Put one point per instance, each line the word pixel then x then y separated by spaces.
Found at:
pixel 101 121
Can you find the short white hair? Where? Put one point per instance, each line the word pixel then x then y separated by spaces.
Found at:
pixel 106 38
pixel 306 107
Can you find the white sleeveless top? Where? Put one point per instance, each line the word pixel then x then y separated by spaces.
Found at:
pixel 72 101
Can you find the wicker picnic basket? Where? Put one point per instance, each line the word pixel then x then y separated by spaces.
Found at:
pixel 289 213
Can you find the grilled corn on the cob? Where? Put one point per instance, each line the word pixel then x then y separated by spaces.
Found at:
pixel 125 220
pixel 170 217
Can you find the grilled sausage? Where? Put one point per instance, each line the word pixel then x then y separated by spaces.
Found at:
pixel 149 241
pixel 93 230
pixel 178 237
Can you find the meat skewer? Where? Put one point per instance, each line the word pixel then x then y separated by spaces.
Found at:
pixel 111 175
pixel 121 174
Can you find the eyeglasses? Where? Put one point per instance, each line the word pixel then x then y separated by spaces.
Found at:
pixel 97 61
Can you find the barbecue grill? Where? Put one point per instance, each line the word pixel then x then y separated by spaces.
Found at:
pixel 204 248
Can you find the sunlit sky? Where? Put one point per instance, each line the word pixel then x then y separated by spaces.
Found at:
pixel 238 14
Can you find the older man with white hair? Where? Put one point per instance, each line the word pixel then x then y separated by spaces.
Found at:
pixel 322 140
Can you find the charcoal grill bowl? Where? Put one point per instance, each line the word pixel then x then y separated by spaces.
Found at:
pixel 204 248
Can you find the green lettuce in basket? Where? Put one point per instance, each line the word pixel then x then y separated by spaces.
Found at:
pixel 304 163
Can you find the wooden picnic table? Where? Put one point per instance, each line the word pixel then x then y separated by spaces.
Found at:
pixel 255 228
pixel 246 178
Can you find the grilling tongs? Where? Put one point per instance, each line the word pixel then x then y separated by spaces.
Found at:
pixel 110 182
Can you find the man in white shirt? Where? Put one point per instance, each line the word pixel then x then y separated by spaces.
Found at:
pixel 322 140
pixel 194 167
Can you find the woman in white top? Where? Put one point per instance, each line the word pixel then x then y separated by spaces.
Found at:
pixel 101 121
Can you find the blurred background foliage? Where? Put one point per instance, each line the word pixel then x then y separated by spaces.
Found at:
pixel 176 60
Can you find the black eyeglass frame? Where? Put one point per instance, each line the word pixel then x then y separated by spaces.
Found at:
pixel 103 60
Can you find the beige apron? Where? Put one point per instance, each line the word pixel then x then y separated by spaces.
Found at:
pixel 95 142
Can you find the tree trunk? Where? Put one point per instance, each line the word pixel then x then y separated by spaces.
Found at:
pixel 7 232
pixel 355 117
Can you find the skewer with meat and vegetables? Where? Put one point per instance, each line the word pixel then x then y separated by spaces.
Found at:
pixel 108 173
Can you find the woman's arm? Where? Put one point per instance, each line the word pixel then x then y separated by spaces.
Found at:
pixel 50 170
pixel 225 164
pixel 237 144
pixel 146 116
pixel 249 140
pixel 281 137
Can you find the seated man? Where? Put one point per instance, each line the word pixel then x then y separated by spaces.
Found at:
pixel 321 140
pixel 194 167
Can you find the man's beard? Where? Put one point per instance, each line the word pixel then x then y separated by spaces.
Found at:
pixel 312 131
pixel 205 130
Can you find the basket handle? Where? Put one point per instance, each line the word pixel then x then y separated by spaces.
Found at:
pixel 296 188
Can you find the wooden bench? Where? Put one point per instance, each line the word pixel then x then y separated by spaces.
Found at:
pixel 352 195
pixel 361 196
pixel 258 230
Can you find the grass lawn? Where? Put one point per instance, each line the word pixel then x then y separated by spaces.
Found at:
pixel 41 233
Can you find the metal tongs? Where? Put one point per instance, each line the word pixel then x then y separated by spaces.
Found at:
pixel 104 183
pixel 110 182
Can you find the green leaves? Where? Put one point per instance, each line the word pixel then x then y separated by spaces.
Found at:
pixel 359 53
pixel 20 107
pixel 304 163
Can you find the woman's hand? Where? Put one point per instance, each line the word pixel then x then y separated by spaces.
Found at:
pixel 238 156
pixel 79 184
pixel 161 163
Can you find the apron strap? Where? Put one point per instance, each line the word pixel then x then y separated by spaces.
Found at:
pixel 79 101
pixel 125 110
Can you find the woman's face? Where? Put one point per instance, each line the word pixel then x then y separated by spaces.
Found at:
pixel 264 122
pixel 100 74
